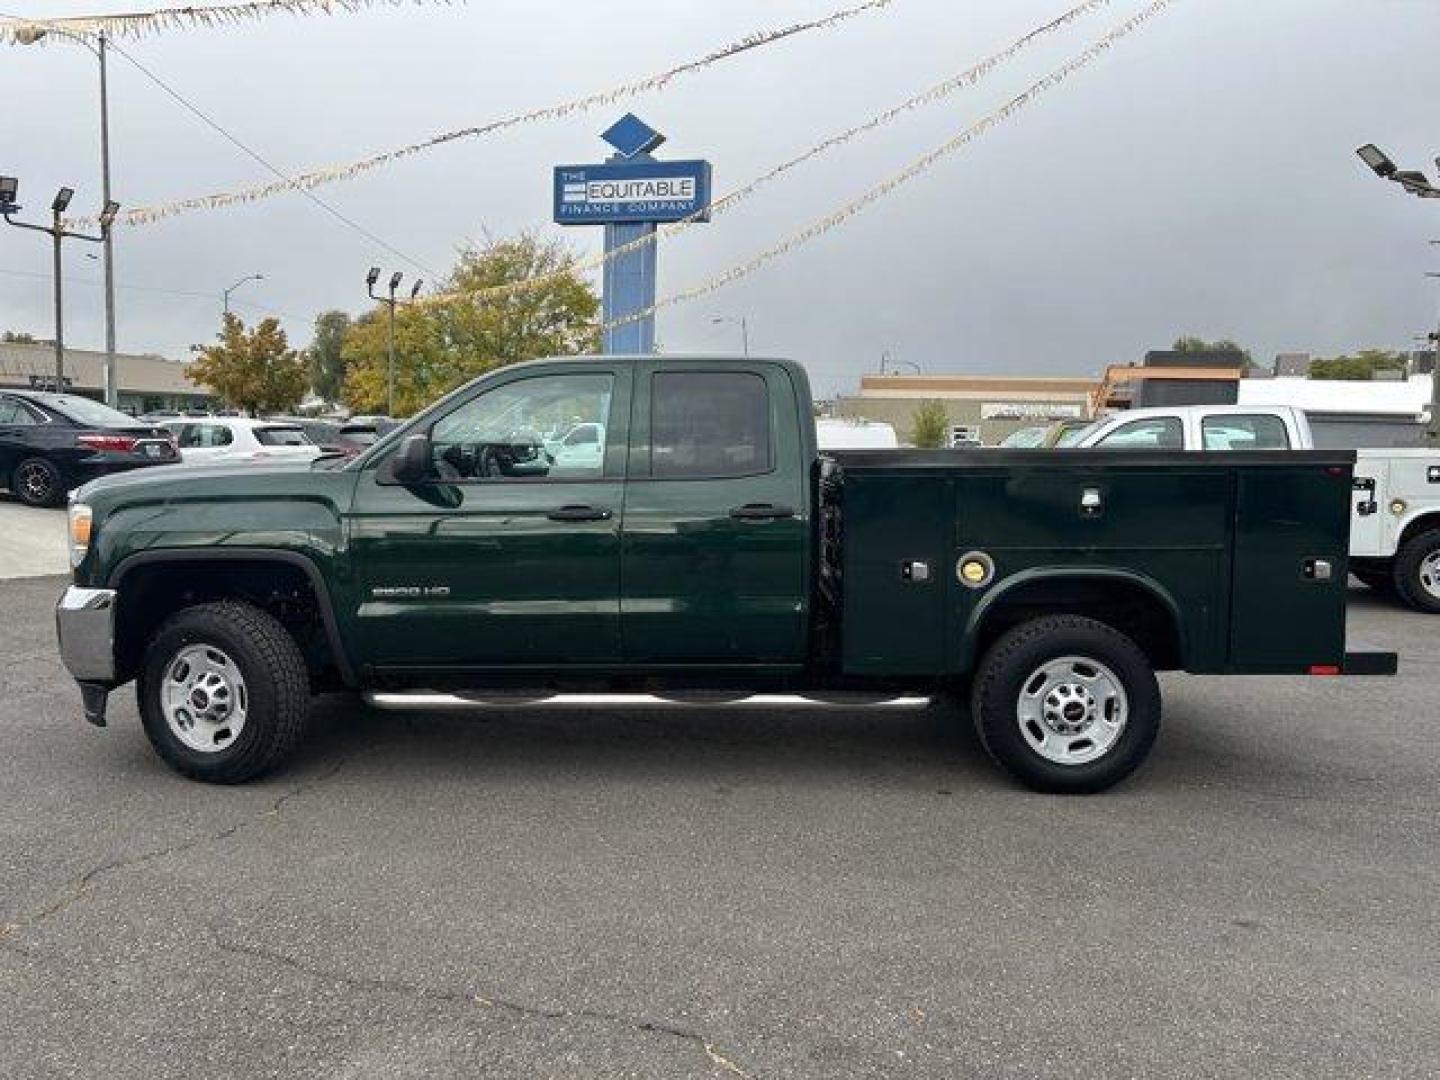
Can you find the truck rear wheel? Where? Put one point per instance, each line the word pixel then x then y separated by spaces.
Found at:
pixel 224 693
pixel 1417 572
pixel 1066 704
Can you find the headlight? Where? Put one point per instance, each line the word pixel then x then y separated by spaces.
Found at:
pixel 82 519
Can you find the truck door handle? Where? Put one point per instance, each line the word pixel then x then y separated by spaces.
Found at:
pixel 579 512
pixel 762 512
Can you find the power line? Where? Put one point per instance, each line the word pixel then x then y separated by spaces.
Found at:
pixel 213 297
pixel 216 126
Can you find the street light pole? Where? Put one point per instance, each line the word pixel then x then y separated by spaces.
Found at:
pixel 390 301
pixel 744 325
pixel 9 192
pixel 28 36
pixel 226 295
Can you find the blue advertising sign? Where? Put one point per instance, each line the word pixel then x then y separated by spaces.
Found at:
pixel 641 189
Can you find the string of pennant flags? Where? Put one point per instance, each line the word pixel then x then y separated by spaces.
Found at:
pixel 349 170
pixel 915 168
pixel 15 29
pixel 937 92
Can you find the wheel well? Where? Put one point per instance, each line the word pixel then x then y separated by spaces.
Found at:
pixel 1134 610
pixel 152 592
pixel 1423 524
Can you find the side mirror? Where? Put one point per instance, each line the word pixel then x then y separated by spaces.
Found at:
pixel 413 461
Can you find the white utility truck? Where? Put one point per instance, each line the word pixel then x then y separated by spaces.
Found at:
pixel 1395 523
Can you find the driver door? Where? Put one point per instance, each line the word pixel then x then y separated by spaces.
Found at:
pixel 507 555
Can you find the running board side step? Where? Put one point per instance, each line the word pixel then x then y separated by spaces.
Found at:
pixel 402 700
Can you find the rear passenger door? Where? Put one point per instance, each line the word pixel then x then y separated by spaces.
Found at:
pixel 714 544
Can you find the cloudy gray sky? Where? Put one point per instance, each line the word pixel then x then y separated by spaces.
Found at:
pixel 1199 178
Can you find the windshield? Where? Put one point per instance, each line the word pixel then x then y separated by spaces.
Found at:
pixel 84 411
pixel 1025 438
pixel 281 436
pixel 1072 436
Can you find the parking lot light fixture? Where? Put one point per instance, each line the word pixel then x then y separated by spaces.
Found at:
pixel 62 200
pixel 415 289
pixel 1378 160
pixel 9 192
pixel 373 276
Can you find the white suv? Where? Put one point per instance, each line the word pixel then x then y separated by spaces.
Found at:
pixel 222 440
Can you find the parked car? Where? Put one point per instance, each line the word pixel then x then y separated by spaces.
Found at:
pixel 1026 438
pixel 711 555
pixel 1057 435
pixel 50 443
pixel 846 433
pixel 221 440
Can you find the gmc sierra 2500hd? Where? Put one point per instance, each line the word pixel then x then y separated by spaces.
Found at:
pixel 704 552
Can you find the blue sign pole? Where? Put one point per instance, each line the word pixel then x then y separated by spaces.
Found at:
pixel 630 194
pixel 629 287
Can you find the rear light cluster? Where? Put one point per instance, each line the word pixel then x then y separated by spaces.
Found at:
pixel 115 444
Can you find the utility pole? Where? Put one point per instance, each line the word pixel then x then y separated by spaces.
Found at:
pixel 390 301
pixel 744 323
pixel 9 192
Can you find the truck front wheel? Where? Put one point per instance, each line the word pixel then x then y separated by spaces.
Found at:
pixel 1066 704
pixel 1417 572
pixel 224 693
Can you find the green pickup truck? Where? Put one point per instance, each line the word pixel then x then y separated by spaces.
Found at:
pixel 665 530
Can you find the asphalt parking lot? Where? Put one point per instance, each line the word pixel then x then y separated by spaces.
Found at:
pixel 694 894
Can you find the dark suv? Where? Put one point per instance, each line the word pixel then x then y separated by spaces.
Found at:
pixel 50 443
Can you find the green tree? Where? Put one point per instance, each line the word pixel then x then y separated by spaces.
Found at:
pixel 255 371
pixel 930 428
pixel 1191 344
pixel 440 344
pixel 14 337
pixel 1362 365
pixel 325 355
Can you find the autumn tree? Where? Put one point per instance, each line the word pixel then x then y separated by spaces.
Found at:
pixel 324 356
pixel 442 343
pixel 256 371
pixel 930 428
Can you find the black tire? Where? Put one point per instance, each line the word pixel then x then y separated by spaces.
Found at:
pixel 1415 565
pixel 37 482
pixel 277 688
pixel 1016 658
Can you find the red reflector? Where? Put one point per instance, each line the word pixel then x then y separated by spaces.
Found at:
pixel 1324 669
pixel 120 444
pixel 1336 470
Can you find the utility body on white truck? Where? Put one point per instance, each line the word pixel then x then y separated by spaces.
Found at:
pixel 1395 520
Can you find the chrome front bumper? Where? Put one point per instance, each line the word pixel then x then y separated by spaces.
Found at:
pixel 85 623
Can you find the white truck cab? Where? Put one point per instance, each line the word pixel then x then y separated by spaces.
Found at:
pixel 1202 427
pixel 1395 517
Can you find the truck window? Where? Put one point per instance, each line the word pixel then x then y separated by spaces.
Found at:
pixel 709 424
pixel 1230 432
pixel 508 433
pixel 1151 433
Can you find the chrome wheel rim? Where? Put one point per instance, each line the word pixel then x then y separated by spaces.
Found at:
pixel 204 699
pixel 35 482
pixel 1072 710
pixel 1430 573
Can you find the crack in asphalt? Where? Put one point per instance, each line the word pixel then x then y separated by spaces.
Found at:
pixel 376 984
pixel 82 885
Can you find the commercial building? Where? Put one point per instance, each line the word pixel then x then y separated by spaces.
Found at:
pixel 147 383
pixel 980 408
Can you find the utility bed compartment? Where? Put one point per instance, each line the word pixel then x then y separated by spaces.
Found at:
pixel 1245 549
